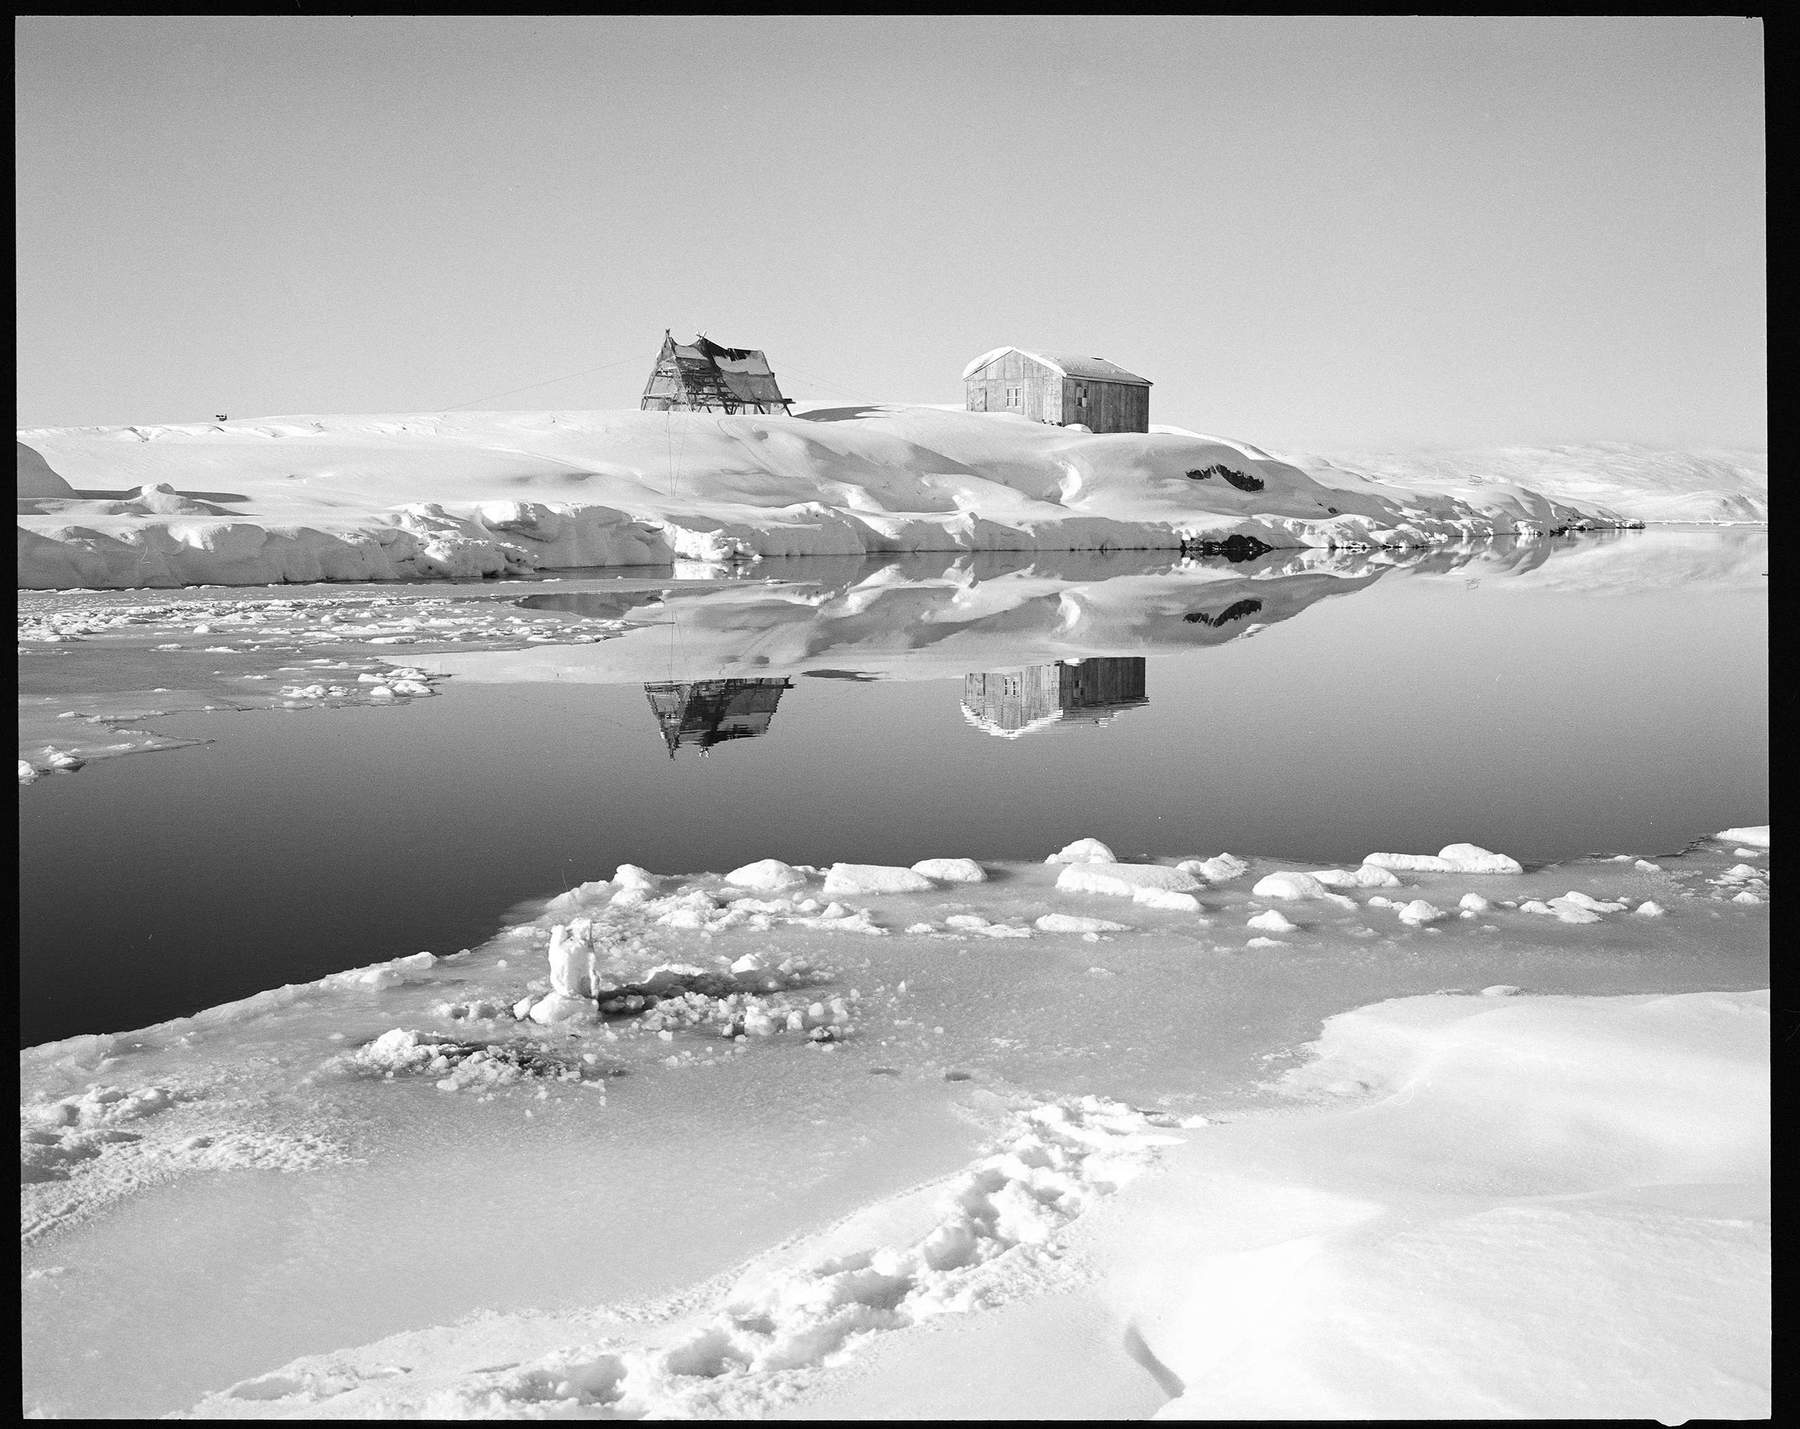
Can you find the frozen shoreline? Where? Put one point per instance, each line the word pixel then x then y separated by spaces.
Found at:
pixel 468 495
pixel 946 1125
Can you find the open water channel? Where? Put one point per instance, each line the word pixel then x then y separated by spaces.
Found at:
pixel 1604 693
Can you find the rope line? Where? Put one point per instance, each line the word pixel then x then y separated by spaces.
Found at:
pixel 532 387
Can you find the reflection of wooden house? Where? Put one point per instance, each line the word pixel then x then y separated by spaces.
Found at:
pixel 1012 703
pixel 702 713
pixel 702 376
pixel 1064 391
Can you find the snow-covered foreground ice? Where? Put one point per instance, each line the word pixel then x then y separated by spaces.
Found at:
pixel 469 494
pixel 864 1141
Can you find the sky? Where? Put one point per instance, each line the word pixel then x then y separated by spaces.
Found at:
pixel 1309 233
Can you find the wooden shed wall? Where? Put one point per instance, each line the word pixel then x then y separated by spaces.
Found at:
pixel 1110 406
pixel 1047 396
pixel 1040 387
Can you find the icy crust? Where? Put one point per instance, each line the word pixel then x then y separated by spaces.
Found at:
pixel 1078 1027
pixel 992 1235
pixel 471 495
pixel 1518 1212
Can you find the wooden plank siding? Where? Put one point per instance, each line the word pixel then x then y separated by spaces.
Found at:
pixel 1045 395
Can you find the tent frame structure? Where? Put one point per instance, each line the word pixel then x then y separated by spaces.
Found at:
pixel 704 376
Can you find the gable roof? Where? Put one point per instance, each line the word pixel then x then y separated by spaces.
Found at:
pixel 1096 368
pixel 704 367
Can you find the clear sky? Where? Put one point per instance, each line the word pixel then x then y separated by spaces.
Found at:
pixel 1321 233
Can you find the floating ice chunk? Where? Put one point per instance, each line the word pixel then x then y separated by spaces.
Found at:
pixel 1364 877
pixel 1271 921
pixel 767 875
pixel 1123 880
pixel 1746 853
pixel 1501 989
pixel 1583 900
pixel 864 878
pixel 1261 942
pixel 1418 913
pixel 1072 923
pixel 1288 885
pixel 1167 899
pixel 1219 869
pixel 951 870
pixel 1561 908
pixel 1452 858
pixel 1648 909
pixel 969 922
pixel 1746 897
pixel 27 771
pixel 1757 835
pixel 1474 903
pixel 1644 865
pixel 1472 858
pixel 1083 851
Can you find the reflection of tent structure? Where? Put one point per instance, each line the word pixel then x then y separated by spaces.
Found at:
pixel 704 377
pixel 702 713
pixel 1011 703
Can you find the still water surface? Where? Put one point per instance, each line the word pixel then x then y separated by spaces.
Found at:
pixel 1609 698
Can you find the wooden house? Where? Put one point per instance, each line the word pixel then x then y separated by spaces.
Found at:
pixel 702 376
pixel 1062 390
pixel 1017 702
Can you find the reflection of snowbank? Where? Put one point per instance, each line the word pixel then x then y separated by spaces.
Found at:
pixel 880 1174
pixel 463 495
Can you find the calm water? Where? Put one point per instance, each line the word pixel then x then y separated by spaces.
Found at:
pixel 1610 698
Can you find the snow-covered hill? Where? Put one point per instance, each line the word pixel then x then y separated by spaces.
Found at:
pixel 491 493
pixel 1644 483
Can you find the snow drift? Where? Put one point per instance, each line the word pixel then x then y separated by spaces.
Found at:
pixel 1643 483
pixel 506 493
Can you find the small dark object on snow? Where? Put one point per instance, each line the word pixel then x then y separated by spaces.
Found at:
pixel 1241 480
pixel 1232 612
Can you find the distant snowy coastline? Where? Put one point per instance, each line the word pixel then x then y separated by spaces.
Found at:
pixel 476 494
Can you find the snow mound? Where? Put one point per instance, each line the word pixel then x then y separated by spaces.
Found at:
pixel 770 875
pixel 1452 858
pixel 1642 483
pixel 1075 923
pixel 1141 881
pixel 467 495
pixel 1757 836
pixel 1083 851
pixel 844 880
pixel 37 478
pixel 951 870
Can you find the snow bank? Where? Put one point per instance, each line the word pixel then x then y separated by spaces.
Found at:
pixel 1554 1208
pixel 882 1176
pixel 469 495
pixel 1452 858
pixel 1642 483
